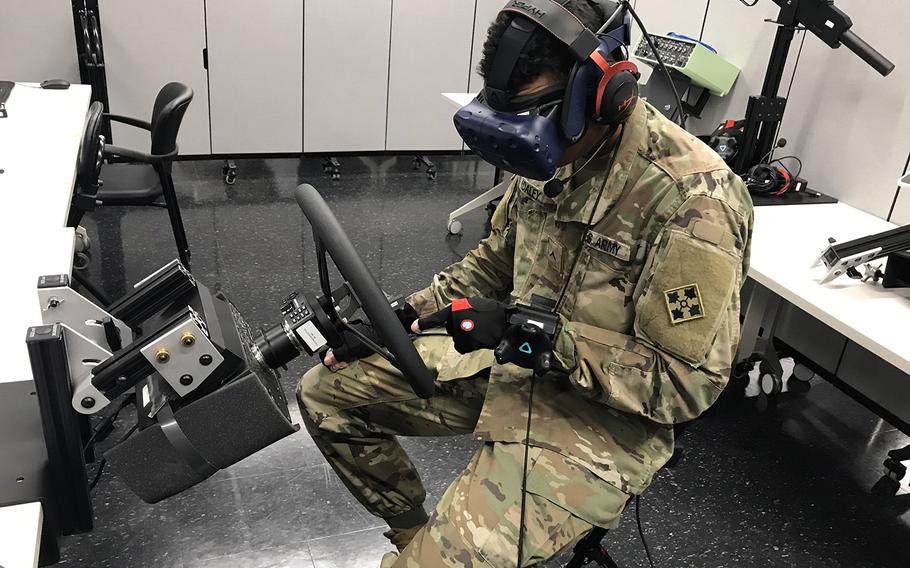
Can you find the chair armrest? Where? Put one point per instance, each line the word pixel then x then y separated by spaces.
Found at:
pixel 137 156
pixel 144 125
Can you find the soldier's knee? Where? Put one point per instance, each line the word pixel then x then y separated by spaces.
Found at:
pixel 311 385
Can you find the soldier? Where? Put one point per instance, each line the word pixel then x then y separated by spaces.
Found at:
pixel 644 253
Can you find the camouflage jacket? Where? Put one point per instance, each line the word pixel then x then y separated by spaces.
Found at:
pixel 650 308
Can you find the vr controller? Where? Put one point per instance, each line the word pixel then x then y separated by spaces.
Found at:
pixel 528 341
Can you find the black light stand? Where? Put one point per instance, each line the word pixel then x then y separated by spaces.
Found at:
pixel 765 112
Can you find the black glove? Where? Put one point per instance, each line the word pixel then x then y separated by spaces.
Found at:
pixel 353 348
pixel 406 314
pixel 473 323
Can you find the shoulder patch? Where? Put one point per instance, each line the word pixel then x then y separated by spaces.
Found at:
pixel 684 304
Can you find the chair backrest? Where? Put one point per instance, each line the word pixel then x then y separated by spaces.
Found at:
pixel 167 114
pixel 91 151
pixel 88 166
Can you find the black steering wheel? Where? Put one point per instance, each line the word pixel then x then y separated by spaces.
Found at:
pixel 331 238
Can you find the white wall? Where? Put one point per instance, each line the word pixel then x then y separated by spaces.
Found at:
pixel 850 126
pixel 37 41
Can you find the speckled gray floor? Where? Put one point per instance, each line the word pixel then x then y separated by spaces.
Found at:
pixel 784 487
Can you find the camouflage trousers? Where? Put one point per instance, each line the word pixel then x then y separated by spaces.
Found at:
pixel 354 415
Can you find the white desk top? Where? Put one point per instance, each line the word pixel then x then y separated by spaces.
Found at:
pixel 20 535
pixel 787 241
pixel 39 144
pixel 39 141
pixel 459 99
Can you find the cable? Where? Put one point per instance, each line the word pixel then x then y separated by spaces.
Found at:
pixel 524 471
pixel 898 192
pixel 791 157
pixel 641 531
pixel 701 34
pixel 682 112
pixel 524 477
pixel 110 418
pixel 789 89
pixel 103 461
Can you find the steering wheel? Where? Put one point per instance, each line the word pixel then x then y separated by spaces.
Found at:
pixel 331 238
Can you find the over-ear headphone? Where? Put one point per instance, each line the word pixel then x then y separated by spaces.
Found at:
pixel 768 179
pixel 608 91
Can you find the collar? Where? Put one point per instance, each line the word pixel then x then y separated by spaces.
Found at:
pixel 576 204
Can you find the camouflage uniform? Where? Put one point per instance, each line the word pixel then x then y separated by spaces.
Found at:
pixel 649 306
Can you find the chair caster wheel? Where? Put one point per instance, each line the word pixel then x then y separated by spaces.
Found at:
pixel 802 373
pixel 771 384
pixel 455 227
pixel 415 165
pixel 431 174
pixel 230 178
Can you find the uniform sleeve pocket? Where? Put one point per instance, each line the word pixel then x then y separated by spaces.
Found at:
pixel 687 297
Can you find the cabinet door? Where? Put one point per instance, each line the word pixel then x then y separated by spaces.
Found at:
pixel 256 75
pixel 486 13
pixel 346 65
pixel 38 41
pixel 149 44
pixel 431 54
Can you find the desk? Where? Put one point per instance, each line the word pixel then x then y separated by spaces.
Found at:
pixel 20 527
pixel 785 244
pixel 39 143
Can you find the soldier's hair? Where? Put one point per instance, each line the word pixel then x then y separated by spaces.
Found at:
pixel 543 53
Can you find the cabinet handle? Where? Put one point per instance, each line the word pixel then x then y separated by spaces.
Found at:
pixel 205 58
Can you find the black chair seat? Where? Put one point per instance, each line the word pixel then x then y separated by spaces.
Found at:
pixel 130 184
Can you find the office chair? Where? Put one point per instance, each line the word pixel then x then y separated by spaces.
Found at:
pixel 147 177
pixel 590 549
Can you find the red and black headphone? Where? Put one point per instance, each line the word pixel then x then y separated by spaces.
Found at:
pixel 768 179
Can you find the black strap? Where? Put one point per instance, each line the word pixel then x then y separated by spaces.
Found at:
pixel 511 44
pixel 185 449
pixel 563 24
pixel 550 15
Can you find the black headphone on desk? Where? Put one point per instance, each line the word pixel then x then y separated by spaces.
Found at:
pixel 767 179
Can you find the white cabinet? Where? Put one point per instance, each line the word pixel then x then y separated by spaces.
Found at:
pixel 37 41
pixel 255 75
pixel 346 70
pixel 431 54
pixel 149 44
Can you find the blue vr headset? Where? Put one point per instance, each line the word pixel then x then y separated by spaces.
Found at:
pixel 528 135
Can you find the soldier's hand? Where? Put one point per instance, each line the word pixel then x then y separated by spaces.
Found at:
pixel 473 323
pixel 352 349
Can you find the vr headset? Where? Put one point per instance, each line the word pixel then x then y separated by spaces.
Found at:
pixel 528 135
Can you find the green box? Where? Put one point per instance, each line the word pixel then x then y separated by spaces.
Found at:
pixel 705 68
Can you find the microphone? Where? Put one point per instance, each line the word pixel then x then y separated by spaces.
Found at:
pixel 555 186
